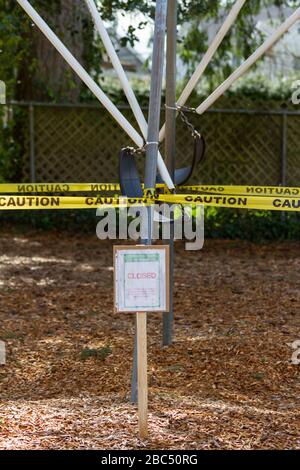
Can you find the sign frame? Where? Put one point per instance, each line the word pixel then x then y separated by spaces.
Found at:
pixel 143 248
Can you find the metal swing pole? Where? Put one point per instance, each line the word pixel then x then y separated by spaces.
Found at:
pixel 170 146
pixel 152 138
pixel 155 99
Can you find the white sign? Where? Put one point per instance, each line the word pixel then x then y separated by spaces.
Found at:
pixel 141 278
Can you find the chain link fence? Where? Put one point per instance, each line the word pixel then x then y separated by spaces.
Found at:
pixel 247 143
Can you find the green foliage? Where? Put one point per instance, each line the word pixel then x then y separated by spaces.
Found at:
pixel 195 15
pixel 14 43
pixel 234 224
pixel 20 56
pixel 256 226
pixel 255 87
pixel 258 87
pixel 113 89
pixel 17 45
pixel 83 221
pixel 19 69
pixel 10 148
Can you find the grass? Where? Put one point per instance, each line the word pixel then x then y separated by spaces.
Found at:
pixel 100 354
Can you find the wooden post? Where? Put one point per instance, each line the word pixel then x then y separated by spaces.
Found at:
pixel 141 321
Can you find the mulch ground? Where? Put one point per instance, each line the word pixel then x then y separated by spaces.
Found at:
pixel 227 382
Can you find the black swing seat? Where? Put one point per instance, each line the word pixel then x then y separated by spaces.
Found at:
pixel 183 175
pixel 130 182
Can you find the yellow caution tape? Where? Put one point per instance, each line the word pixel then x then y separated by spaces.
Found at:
pixel 27 202
pixel 280 191
pixel 61 188
pixel 21 188
pixel 58 187
pixel 231 201
pixel 150 193
pixel 62 202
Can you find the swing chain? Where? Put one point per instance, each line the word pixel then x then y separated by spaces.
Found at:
pixel 182 110
pixel 135 151
pixel 190 126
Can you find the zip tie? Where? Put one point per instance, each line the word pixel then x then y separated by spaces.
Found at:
pixel 152 143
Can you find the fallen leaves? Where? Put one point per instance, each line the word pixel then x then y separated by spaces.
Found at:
pixel 227 382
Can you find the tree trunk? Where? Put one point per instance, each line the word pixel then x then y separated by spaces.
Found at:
pixel 44 75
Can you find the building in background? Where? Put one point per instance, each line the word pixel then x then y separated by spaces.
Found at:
pixel 282 61
pixel 132 62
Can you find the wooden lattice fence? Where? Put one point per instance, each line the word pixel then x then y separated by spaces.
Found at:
pixel 247 143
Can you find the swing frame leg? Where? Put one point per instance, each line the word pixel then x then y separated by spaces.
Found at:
pixel 170 148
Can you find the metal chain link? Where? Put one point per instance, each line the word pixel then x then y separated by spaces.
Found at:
pixel 190 126
pixel 136 151
pixel 182 110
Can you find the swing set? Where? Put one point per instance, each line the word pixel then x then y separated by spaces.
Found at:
pixel 162 181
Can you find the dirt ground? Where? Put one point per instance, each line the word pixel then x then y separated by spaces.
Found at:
pixel 227 382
